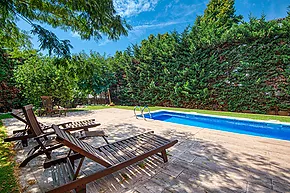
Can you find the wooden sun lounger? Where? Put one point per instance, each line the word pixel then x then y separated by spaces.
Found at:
pixel 45 145
pixel 113 157
pixel 49 109
pixel 24 134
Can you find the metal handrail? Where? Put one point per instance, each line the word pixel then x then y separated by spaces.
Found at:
pixel 135 111
pixel 142 112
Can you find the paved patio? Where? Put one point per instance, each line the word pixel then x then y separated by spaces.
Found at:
pixel 203 161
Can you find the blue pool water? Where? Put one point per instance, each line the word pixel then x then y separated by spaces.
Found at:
pixel 271 130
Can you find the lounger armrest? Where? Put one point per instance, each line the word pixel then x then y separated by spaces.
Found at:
pixel 44 135
pixel 95 134
pixel 18 131
pixel 64 124
pixel 72 157
pixel 81 128
pixel 46 127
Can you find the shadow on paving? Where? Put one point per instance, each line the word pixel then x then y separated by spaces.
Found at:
pixel 194 165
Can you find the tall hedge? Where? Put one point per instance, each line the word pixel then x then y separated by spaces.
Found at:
pixel 9 94
pixel 247 69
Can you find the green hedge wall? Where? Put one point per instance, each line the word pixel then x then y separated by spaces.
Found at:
pixel 251 75
pixel 9 94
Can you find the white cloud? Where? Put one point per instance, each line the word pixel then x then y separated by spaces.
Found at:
pixel 75 35
pixel 105 41
pixel 158 25
pixel 140 30
pixel 127 8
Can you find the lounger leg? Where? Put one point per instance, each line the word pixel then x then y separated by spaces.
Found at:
pixel 105 139
pixel 40 152
pixel 24 142
pixel 164 156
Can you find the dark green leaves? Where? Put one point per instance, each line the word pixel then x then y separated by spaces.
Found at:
pixel 49 41
pixel 91 19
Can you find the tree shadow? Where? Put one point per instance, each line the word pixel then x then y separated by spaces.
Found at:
pixel 195 165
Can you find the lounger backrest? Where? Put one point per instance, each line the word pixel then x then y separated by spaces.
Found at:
pixel 31 120
pixel 80 146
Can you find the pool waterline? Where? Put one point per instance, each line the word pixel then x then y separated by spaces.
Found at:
pixel 269 129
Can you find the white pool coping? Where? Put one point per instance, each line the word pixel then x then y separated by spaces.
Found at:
pixel 224 117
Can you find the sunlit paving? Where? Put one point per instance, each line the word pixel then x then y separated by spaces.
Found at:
pixel 203 160
pixel 144 96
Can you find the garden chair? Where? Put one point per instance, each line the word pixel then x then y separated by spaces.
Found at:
pixel 49 109
pixel 46 145
pixel 113 157
pixel 24 134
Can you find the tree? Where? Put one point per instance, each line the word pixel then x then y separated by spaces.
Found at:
pixel 221 12
pixel 218 17
pixel 39 76
pixel 89 18
pixel 93 72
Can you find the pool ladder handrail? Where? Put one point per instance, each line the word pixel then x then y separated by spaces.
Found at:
pixel 135 111
pixel 142 112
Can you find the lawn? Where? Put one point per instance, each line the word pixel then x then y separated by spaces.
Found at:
pixel 8 182
pixel 221 113
pixel 5 116
pixel 209 112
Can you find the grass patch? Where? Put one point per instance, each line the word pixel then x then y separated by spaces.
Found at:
pixel 209 112
pixel 8 181
pixel 5 116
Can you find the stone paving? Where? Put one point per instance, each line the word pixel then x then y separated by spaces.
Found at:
pixel 203 160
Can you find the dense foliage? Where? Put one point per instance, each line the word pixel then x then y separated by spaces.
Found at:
pixel 63 79
pixel 90 19
pixel 244 68
pixel 220 63
pixel 9 94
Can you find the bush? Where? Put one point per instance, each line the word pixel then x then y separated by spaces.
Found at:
pixel 39 76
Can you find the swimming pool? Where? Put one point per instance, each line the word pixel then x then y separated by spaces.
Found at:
pixel 248 127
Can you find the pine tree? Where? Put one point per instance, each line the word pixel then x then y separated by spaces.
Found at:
pixel 219 16
pixel 222 13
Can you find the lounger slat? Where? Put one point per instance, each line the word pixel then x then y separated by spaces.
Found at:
pixel 65 174
pixel 83 145
pixel 124 148
pixel 117 150
pixel 78 148
pixel 139 147
pixel 150 141
pixel 132 137
pixel 69 169
pixel 132 149
pixel 153 140
pixel 54 178
pixel 85 124
pixel 161 138
pixel 142 145
pixel 158 138
pixel 109 155
pixel 59 174
pixel 135 144
pixel 76 142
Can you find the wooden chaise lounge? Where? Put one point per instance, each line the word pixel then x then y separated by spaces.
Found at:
pixel 113 157
pixel 46 145
pixel 49 109
pixel 24 134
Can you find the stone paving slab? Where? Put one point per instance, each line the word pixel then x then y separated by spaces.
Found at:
pixel 204 160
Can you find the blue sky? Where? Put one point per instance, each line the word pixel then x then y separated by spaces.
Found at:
pixel 160 16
